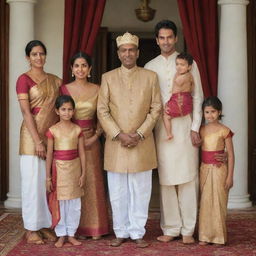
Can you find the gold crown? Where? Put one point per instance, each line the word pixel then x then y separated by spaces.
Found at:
pixel 127 38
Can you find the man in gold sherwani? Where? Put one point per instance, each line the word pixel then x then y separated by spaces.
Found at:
pixel 129 106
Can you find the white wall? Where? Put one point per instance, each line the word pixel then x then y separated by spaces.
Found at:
pixel 119 16
pixel 49 28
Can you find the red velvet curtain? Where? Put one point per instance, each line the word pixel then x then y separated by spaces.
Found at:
pixel 200 28
pixel 82 23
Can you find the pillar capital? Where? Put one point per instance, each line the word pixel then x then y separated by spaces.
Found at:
pixel 21 1
pixel 233 2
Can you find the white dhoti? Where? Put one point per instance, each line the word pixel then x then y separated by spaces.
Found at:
pixel 178 208
pixel 70 212
pixel 129 196
pixel 35 212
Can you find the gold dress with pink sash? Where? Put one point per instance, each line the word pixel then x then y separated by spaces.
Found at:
pixel 66 168
pixel 94 214
pixel 41 98
pixel 214 196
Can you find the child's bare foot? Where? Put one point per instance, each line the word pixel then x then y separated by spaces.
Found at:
pixel 96 237
pixel 73 240
pixel 165 238
pixel 202 243
pixel 60 242
pixel 188 239
pixel 169 136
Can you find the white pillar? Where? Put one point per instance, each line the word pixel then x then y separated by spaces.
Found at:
pixel 21 32
pixel 232 90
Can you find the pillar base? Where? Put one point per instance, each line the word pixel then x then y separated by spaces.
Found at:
pixel 12 202
pixel 238 202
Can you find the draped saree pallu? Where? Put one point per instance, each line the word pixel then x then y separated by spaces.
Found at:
pixel 214 196
pixel 70 159
pixel 94 216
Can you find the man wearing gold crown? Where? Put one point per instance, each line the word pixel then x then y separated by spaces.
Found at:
pixel 129 106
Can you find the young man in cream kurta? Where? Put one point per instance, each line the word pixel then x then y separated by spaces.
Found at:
pixel 177 158
pixel 129 106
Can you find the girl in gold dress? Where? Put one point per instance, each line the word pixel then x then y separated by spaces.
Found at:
pixel 216 178
pixel 94 215
pixel 65 167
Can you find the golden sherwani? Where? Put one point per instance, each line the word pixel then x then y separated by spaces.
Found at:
pixel 129 101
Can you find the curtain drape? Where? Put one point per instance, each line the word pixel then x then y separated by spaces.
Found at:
pixel 200 28
pixel 4 98
pixel 81 26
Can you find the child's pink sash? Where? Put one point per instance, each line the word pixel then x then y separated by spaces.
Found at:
pixel 208 157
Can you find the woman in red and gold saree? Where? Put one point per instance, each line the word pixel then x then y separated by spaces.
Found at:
pixel 37 92
pixel 94 215
pixel 216 178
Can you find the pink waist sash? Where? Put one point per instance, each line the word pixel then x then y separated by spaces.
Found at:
pixel 65 154
pixel 84 123
pixel 208 156
pixel 35 110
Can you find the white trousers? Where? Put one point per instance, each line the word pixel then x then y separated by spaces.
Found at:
pixel 129 197
pixel 179 208
pixel 35 212
pixel 70 212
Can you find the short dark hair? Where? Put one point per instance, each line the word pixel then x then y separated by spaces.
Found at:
pixel 64 99
pixel 213 101
pixel 185 56
pixel 167 24
pixel 30 45
pixel 81 55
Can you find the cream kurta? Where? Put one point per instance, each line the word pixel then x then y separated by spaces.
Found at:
pixel 129 101
pixel 177 158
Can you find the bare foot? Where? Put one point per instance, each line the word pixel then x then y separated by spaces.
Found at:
pixel 165 238
pixel 73 240
pixel 169 136
pixel 188 240
pixel 60 242
pixel 202 243
pixel 33 237
pixel 96 237
pixel 82 237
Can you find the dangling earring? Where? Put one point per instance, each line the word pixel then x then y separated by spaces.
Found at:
pixel 89 75
pixel 72 74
